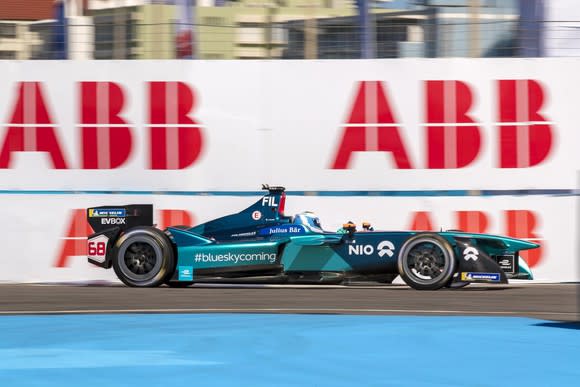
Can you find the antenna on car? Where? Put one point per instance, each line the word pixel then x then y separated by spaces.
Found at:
pixel 273 188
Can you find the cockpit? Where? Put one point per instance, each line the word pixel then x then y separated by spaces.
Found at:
pixel 309 220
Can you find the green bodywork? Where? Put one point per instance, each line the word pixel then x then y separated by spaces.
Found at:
pixel 321 252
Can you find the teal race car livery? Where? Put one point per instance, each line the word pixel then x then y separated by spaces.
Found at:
pixel 262 245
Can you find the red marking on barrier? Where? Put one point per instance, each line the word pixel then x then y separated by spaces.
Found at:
pixel 522 224
pixel 450 145
pixel 453 138
pixel 108 144
pixel 75 241
pixel 472 221
pixel 176 139
pixel 31 128
pixel 421 221
pixel 371 127
pixel 522 145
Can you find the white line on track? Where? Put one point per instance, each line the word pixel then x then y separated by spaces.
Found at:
pixel 288 310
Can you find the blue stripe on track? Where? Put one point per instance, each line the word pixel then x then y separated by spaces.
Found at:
pixel 334 193
pixel 285 350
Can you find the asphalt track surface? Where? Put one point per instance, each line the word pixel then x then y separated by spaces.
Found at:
pixel 557 302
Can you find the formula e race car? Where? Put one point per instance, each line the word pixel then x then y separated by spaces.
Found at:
pixel 262 245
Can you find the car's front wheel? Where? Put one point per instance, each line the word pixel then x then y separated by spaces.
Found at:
pixel 143 257
pixel 426 262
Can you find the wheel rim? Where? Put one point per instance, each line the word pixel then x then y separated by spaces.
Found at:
pixel 140 259
pixel 426 262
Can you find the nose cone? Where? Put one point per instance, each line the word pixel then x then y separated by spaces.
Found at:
pixel 520 244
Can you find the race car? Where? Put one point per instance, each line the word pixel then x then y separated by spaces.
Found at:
pixel 263 245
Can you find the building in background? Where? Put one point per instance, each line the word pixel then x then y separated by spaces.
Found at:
pixel 421 28
pixel 25 28
pixel 133 29
pixel 258 29
pixel 393 34
pixel 475 28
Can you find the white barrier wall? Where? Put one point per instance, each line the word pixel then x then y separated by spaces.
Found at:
pixel 72 132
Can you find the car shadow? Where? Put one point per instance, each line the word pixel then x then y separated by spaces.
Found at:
pixel 560 324
pixel 478 289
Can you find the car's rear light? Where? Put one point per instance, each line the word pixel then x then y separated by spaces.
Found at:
pixel 282 204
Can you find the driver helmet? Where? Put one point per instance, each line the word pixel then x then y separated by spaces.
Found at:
pixel 308 219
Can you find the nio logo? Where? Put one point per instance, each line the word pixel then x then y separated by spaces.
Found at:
pixel 113 221
pixel 385 247
pixel 470 253
pixel 269 201
pixel 360 249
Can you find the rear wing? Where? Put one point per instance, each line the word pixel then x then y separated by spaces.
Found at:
pixel 121 217
pixel 108 223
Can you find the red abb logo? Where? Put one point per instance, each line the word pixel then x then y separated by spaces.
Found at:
pixel 75 242
pixel 107 139
pixel 453 136
pixel 517 224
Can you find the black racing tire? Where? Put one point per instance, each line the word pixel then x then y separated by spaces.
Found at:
pixel 426 262
pixel 143 257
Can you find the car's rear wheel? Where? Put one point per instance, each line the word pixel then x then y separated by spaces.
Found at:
pixel 143 257
pixel 426 262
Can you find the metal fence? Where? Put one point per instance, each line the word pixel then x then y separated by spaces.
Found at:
pixel 336 38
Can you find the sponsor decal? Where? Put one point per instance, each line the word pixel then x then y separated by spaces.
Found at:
pixel 256 215
pixel 269 201
pixel 235 258
pixel 470 253
pixel 373 126
pixel 384 247
pixel 97 248
pixel 244 234
pixel 165 151
pixel 286 229
pixel 506 262
pixel 113 221
pixel 107 213
pixel 185 273
pixel 491 277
